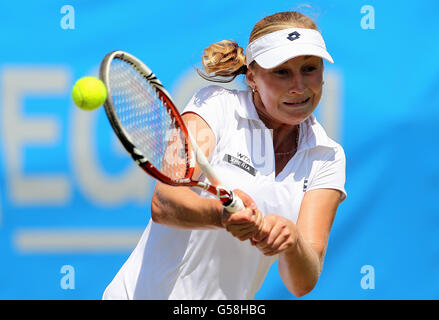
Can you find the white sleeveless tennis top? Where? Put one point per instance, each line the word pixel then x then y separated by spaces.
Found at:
pixel 170 263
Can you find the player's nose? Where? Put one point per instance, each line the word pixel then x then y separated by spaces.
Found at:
pixel 297 85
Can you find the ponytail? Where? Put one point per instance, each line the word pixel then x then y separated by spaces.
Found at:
pixel 223 59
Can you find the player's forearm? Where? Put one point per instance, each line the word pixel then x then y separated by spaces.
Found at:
pixel 182 208
pixel 299 268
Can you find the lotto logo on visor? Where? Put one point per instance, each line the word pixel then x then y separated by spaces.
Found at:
pixel 293 36
pixel 277 47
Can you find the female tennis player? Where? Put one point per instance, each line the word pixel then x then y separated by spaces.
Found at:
pixel 266 145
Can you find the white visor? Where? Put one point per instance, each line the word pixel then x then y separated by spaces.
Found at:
pixel 277 47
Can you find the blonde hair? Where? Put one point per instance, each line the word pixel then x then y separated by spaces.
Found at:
pixel 226 59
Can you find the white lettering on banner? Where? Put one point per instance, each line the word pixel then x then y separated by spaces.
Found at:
pixel 19 131
pixel 95 184
pixel 48 241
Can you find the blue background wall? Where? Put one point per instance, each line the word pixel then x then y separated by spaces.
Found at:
pixel 72 205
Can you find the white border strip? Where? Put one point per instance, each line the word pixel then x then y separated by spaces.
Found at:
pixel 68 241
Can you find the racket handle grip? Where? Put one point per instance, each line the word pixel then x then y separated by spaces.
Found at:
pixel 235 205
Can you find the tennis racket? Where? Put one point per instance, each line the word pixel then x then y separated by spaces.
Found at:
pixel 150 128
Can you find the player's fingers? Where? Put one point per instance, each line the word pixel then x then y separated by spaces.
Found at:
pixel 281 238
pixel 271 233
pixel 275 233
pixel 273 247
pixel 259 220
pixel 245 234
pixel 244 230
pixel 237 229
pixel 263 232
pixel 245 216
pixel 276 248
pixel 246 199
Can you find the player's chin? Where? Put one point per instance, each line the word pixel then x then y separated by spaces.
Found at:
pixel 297 113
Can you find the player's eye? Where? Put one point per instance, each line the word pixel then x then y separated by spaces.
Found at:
pixel 281 72
pixel 309 69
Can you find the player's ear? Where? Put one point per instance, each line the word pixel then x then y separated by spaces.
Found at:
pixel 250 76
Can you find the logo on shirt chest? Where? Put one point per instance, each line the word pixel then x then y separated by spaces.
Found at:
pixel 241 161
pixel 305 185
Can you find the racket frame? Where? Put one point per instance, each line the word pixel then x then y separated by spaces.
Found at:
pixel 231 203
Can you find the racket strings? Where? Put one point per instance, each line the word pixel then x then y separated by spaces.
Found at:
pixel 147 121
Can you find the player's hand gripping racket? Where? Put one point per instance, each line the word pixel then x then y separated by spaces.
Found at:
pixel 150 127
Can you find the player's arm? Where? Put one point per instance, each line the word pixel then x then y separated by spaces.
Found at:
pixel 183 208
pixel 301 247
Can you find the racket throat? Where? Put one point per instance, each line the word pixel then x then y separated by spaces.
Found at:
pixel 221 193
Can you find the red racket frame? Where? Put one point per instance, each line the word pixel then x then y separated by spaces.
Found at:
pixel 225 196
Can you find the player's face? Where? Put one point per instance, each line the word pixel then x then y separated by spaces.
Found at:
pixel 289 93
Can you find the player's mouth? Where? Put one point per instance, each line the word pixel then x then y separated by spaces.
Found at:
pixel 299 103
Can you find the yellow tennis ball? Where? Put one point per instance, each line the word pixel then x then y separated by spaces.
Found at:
pixel 89 93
